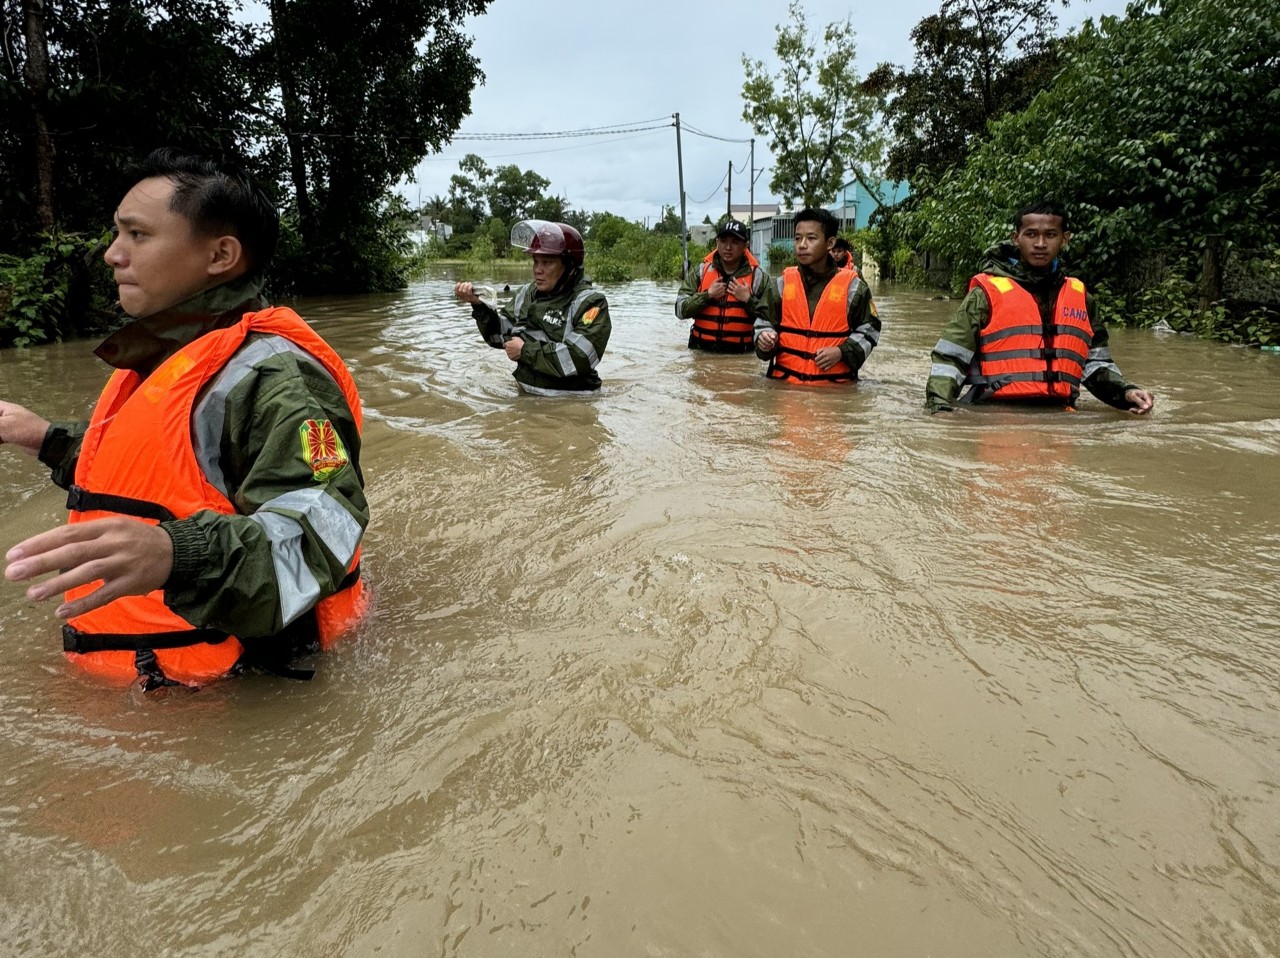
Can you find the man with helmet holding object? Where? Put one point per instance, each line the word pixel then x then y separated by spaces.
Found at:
pixel 555 329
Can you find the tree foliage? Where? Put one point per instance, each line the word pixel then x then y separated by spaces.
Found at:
pixel 329 104
pixel 975 61
pixel 818 120
pixel 1164 128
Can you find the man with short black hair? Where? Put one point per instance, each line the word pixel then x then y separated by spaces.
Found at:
pixel 823 323
pixel 725 293
pixel 1027 332
pixel 217 504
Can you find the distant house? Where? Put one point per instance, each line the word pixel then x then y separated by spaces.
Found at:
pixel 854 203
pixel 853 207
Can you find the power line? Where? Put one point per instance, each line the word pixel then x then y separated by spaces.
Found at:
pixel 558 149
pixel 711 136
pixel 713 192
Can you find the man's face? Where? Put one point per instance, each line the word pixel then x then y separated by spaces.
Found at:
pixel 158 258
pixel 729 249
pixel 812 245
pixel 547 271
pixel 1040 239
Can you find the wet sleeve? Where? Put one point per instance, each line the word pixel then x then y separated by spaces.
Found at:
pixel 954 352
pixel 768 316
pixel 864 320
pixel 689 301
pixel 495 325
pixel 290 453
pixel 60 450
pixel 581 347
pixel 1102 376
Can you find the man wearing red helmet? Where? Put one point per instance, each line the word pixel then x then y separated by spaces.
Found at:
pixel 556 328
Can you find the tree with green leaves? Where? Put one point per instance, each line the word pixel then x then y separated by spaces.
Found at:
pixel 975 61
pixel 818 121
pixel 366 88
pixel 1163 129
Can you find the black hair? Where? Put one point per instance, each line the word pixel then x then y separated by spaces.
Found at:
pixel 824 218
pixel 218 200
pixel 1041 208
pixel 842 244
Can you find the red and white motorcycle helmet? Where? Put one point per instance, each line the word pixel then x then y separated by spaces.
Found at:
pixel 548 239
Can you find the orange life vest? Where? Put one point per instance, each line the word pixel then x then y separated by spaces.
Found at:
pixel 138 459
pixel 726 323
pixel 1020 356
pixel 801 336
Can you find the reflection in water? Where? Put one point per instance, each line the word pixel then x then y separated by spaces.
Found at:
pixel 702 664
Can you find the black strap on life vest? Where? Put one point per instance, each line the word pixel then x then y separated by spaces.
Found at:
pixel 80 499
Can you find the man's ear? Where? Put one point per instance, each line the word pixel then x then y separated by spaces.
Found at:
pixel 226 257
pixel 1013 237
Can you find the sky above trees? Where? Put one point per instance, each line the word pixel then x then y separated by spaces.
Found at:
pixel 601 70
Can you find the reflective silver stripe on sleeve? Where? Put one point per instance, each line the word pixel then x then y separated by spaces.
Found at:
pixel 1091 368
pixel 575 338
pixel 536 335
pixel 950 372
pixel 853 290
pixel 697 282
pixel 867 337
pixel 779 284
pixel 210 413
pixel 336 528
pixel 1101 354
pixel 946 347
pixel 758 278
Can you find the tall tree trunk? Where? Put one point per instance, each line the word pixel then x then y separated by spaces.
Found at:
pixel 36 73
pixel 292 118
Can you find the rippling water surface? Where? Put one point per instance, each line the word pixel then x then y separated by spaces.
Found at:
pixel 700 666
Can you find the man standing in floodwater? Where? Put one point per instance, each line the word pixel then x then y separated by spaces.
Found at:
pixel 1027 332
pixel 555 328
pixel 217 504
pixel 823 324
pixel 724 294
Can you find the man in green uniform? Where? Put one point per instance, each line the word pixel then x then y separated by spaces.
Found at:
pixel 1037 348
pixel 843 333
pixel 724 294
pixel 556 328
pixel 273 432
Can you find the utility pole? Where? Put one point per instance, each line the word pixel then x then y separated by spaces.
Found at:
pixel 728 194
pixel 684 225
pixel 752 194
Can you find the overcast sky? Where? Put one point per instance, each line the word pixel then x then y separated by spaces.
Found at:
pixel 581 64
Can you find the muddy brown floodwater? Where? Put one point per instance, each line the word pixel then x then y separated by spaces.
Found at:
pixel 702 666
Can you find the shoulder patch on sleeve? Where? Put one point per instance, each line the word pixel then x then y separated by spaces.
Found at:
pixel 590 315
pixel 322 449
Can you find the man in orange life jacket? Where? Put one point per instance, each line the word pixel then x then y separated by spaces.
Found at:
pixel 725 294
pixel 217 504
pixel 1027 332
pixel 823 324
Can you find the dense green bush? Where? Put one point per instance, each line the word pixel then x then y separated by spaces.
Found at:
pixel 1164 128
pixel 62 290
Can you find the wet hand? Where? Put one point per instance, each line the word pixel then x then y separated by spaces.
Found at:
pixel 466 293
pixel 20 427
pixel 827 357
pixel 740 291
pixel 129 556
pixel 1140 401
pixel 716 290
pixel 513 347
pixel 766 341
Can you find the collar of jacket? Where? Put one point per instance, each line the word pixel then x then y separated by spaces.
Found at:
pixel 811 276
pixel 143 344
pixel 1003 259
